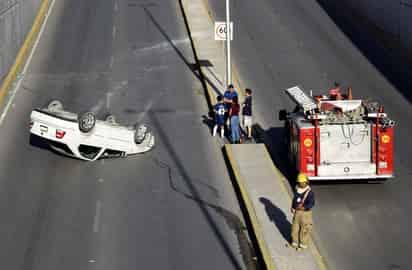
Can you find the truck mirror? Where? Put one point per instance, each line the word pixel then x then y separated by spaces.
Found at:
pixel 282 115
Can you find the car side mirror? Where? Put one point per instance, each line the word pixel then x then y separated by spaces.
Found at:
pixel 283 115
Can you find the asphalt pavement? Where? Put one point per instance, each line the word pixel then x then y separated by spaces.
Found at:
pixel 279 44
pixel 171 208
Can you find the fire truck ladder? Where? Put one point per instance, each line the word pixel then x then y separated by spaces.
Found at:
pixel 301 99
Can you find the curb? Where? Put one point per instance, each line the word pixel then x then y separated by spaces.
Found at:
pixel 23 51
pixel 227 150
pixel 210 98
pixel 235 76
pixel 282 180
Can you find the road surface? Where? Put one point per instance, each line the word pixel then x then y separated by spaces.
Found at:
pixel 172 208
pixel 278 44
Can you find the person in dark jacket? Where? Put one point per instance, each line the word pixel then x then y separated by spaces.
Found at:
pixel 302 204
pixel 234 120
pixel 247 113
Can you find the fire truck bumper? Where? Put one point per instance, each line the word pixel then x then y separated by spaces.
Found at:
pixel 352 177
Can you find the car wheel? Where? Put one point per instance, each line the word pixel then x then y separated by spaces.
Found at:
pixel 110 118
pixel 55 105
pixel 140 133
pixel 87 121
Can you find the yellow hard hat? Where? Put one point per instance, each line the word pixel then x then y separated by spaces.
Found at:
pixel 302 178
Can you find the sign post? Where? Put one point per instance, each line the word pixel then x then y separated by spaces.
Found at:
pixel 228 36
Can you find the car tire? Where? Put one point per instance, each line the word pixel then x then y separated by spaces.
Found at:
pixel 140 133
pixel 87 121
pixel 55 105
pixel 110 118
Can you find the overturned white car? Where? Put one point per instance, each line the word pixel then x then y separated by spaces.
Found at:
pixel 84 137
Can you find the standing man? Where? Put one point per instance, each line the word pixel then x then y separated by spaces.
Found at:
pixel 247 113
pixel 302 204
pixel 228 96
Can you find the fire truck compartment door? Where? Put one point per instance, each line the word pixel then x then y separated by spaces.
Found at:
pixel 345 143
pixel 347 169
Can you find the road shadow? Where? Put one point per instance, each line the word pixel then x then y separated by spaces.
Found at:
pixel 193 190
pixel 274 139
pixel 39 142
pixel 278 217
pixel 193 67
pixel 384 50
pixel 208 121
pixel 234 223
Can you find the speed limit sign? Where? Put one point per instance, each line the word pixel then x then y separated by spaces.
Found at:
pixel 220 31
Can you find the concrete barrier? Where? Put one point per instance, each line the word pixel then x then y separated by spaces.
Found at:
pixel 267 203
pixel 19 23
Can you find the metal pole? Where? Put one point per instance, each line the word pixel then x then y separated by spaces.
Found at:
pixel 228 35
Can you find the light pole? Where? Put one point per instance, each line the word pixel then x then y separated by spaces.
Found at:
pixel 228 35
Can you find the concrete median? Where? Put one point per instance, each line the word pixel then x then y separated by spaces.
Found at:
pixel 13 51
pixel 267 202
pixel 259 184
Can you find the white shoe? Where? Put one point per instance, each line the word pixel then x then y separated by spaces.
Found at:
pixel 294 244
pixel 302 246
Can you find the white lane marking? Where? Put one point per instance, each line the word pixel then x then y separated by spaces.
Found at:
pixel 155 68
pixel 163 45
pixel 96 221
pixel 101 180
pixel 116 7
pixel 92 261
pixel 114 31
pixel 111 61
pixel 98 106
pixel 108 96
pixel 20 77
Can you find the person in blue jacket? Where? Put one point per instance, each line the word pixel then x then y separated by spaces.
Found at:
pixel 302 204
pixel 228 96
pixel 220 112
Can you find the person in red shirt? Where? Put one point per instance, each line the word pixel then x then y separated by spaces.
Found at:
pixel 234 120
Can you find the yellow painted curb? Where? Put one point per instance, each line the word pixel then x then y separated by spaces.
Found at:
pixel 315 250
pixel 24 49
pixel 251 211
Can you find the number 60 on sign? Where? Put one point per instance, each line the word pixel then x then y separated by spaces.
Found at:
pixel 220 31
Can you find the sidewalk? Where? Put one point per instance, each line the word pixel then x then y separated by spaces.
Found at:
pixel 262 189
pixel 268 203
pixel 211 53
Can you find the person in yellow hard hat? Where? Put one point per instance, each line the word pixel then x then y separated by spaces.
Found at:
pixel 302 204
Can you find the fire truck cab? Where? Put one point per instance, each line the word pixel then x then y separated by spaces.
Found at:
pixel 331 138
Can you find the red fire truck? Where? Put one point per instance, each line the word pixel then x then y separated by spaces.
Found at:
pixel 336 137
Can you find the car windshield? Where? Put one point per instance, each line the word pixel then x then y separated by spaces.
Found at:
pixel 88 151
